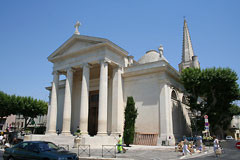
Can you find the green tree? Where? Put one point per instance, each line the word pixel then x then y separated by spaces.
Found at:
pixel 129 123
pixel 218 89
pixel 30 108
pixel 5 109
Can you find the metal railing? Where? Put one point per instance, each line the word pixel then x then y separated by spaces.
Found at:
pixel 109 150
pixel 84 150
pixel 145 139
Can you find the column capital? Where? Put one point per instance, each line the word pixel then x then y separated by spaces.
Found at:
pixel 67 69
pixel 70 69
pixel 86 65
pixel 119 67
pixel 105 60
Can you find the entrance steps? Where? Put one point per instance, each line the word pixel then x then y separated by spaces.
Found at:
pixel 94 142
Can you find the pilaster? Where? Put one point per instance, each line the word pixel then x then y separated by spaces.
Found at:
pixel 165 133
pixel 117 101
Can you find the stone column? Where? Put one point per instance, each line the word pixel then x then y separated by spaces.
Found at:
pixel 84 100
pixel 117 102
pixel 52 114
pixel 165 104
pixel 103 87
pixel 67 109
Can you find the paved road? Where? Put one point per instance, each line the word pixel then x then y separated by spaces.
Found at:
pixel 230 152
pixel 143 153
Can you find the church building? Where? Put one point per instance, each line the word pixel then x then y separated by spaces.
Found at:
pixel 100 75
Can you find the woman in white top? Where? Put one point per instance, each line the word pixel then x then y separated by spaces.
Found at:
pixel 215 144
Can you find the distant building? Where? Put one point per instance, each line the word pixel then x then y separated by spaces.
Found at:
pixel 17 122
pixel 7 123
pixel 235 124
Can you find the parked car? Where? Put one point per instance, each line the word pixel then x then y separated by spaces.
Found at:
pixel 38 150
pixel 229 138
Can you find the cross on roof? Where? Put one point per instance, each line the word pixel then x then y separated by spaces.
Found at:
pixel 77 27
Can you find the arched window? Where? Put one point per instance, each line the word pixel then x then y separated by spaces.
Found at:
pixel 174 95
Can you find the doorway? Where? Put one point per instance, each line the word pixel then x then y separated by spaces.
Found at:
pixel 93 113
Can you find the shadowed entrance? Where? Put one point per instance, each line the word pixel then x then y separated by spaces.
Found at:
pixel 93 113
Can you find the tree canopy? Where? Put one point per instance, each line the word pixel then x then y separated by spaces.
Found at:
pixel 28 107
pixel 213 91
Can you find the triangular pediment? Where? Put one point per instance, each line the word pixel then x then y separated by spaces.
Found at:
pixel 78 43
pixel 74 44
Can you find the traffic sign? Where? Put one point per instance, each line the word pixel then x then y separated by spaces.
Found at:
pixel 238 145
pixel 206 120
pixel 206 123
pixel 206 116
pixel 206 127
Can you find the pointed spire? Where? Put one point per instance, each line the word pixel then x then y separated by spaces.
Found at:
pixel 187 50
pixel 188 58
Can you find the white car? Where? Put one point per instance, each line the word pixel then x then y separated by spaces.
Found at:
pixel 229 138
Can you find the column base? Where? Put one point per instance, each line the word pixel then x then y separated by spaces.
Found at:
pixel 66 134
pixel 85 135
pixel 51 133
pixel 102 134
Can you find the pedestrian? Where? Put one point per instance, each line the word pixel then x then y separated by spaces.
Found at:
pixel 199 143
pixel 185 147
pixel 215 145
pixel 119 145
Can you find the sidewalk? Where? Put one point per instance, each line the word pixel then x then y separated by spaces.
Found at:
pixel 138 152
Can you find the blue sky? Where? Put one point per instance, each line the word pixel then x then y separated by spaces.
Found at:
pixel 31 30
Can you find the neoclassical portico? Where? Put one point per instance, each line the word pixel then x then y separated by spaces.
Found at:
pixel 84 98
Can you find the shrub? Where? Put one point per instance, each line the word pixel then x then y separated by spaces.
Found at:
pixel 129 123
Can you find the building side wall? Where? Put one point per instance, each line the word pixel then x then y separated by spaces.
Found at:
pixel 145 91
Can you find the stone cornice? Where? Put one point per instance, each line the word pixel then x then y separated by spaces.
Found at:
pixel 149 68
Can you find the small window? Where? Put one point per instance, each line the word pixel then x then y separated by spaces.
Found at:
pixel 174 95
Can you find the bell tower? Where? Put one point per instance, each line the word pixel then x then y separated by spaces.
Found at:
pixel 188 57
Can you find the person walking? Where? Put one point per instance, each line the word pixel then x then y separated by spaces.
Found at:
pixel 185 147
pixel 216 146
pixel 119 145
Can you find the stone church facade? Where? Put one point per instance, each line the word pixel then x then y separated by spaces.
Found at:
pixel 101 75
